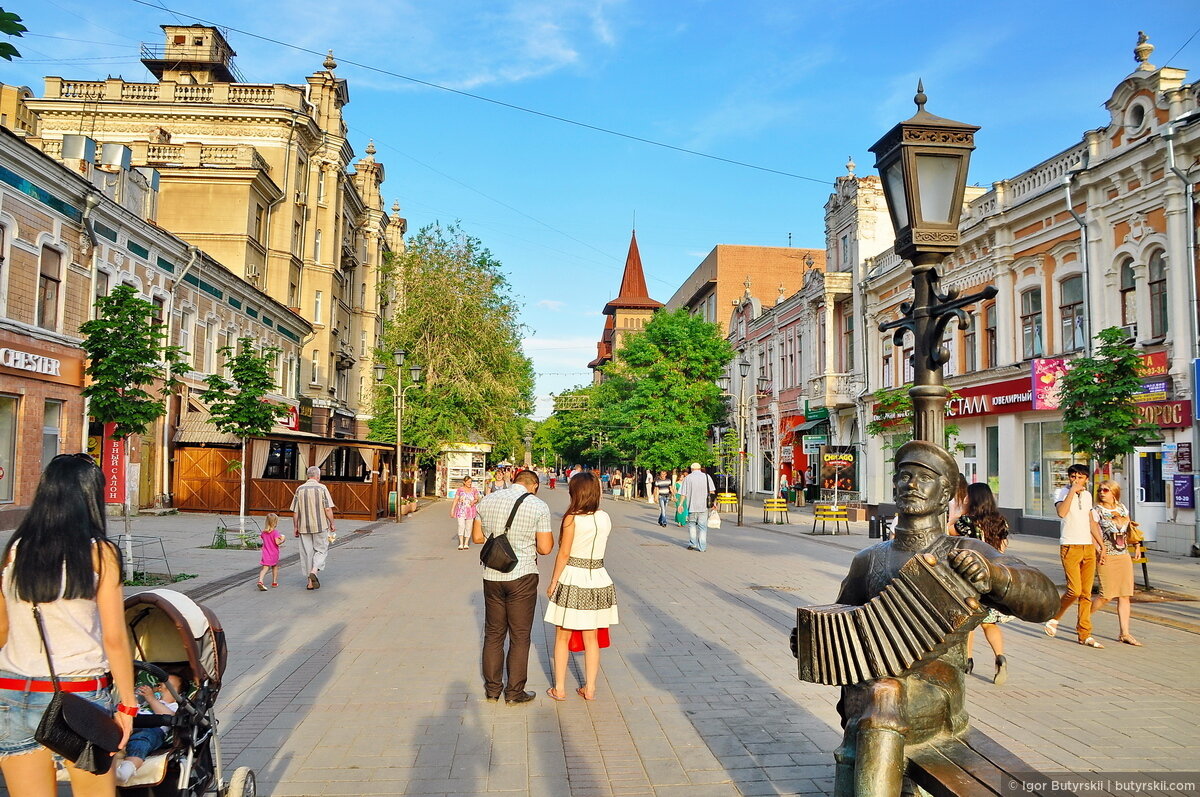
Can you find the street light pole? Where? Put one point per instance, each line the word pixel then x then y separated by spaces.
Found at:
pixel 398 392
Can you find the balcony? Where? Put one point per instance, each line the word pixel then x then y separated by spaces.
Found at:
pixel 834 391
pixel 192 154
pixel 117 90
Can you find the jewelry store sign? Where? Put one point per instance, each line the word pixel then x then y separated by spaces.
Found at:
pixel 34 364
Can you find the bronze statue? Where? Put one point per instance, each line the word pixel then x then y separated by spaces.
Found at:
pixel 882 716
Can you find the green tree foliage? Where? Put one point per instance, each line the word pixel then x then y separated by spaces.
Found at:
pixel 10 25
pixel 130 364
pixel 892 419
pixel 1099 416
pixel 456 318
pixel 577 432
pixel 659 396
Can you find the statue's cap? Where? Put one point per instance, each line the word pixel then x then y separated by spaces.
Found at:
pixel 928 455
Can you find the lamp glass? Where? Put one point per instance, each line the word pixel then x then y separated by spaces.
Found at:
pixel 937 181
pixel 895 194
pixel 398 357
pixel 380 372
pixel 723 383
pixel 744 367
pixel 414 373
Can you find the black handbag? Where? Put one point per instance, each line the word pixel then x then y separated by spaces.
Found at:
pixel 75 728
pixel 497 552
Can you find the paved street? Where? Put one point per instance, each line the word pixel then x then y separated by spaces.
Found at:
pixel 371 685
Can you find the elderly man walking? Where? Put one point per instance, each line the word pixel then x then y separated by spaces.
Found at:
pixel 696 488
pixel 312 515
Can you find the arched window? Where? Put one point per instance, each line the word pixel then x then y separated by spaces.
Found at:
pixel 970 362
pixel 1128 295
pixel 1031 323
pixel 1157 283
pixel 1071 313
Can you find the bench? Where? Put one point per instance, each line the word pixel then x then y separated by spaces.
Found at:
pixel 1138 556
pixel 777 507
pixel 726 502
pixel 973 765
pixel 830 513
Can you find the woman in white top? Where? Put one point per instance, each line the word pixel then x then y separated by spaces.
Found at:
pixel 581 593
pixel 61 559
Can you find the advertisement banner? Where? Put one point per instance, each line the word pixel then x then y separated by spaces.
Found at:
pixel 837 468
pixel 1152 390
pixel 1168 415
pixel 1183 492
pixel 1155 364
pixel 1046 378
pixel 112 463
pixel 1169 464
pixel 1183 457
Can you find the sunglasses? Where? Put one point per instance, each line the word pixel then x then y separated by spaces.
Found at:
pixel 1104 490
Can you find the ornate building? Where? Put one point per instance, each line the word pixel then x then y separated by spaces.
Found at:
pixel 262 178
pixel 627 313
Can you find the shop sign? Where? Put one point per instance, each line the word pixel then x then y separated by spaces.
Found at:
pixel 837 468
pixel 1046 378
pixel 813 443
pixel 30 362
pixel 1183 457
pixel 1169 415
pixel 1183 492
pixel 305 414
pixel 112 463
pixel 815 413
pixel 1152 390
pixel 1154 364
pixel 785 455
pixel 1169 464
pixel 1012 395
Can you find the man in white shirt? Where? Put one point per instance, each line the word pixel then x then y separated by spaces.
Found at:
pixel 696 488
pixel 1077 550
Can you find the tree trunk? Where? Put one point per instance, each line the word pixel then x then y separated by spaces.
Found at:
pixel 242 499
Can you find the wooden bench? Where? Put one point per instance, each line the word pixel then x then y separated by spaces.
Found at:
pixel 1138 555
pixel 830 513
pixel 973 765
pixel 777 507
pixel 726 502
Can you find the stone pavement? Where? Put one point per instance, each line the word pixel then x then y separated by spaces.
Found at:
pixel 371 685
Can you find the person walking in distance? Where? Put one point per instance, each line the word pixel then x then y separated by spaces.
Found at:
pixel 312 515
pixel 697 487
pixel 664 492
pixel 509 599
pixel 269 560
pixel 463 510
pixel 1077 550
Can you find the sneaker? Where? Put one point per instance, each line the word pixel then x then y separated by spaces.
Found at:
pixel 125 772
pixel 1051 627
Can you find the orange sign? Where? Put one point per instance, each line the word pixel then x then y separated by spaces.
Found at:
pixel 35 363
pixel 1155 364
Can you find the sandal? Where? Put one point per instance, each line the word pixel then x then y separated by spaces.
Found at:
pixel 1051 627
pixel 1129 640
pixel 274 583
pixel 1091 643
pixel 553 695
pixel 583 694
pixel 262 586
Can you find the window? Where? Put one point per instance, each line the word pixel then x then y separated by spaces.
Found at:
pixel 160 306
pixel 8 445
pixel 281 461
pixel 49 280
pixel 362 344
pixel 1157 283
pixel 294 287
pixel 185 334
pixel 951 366
pixel 1047 457
pixel 321 186
pixel 318 301
pixel 844 254
pixel 296 239
pixel 989 336
pixel 1128 295
pixel 1031 323
pixel 970 360
pixel 848 329
pixel 259 219
pixel 992 433
pixel 210 347
pixel 317 247
pixel 102 280
pixel 909 371
pixel 316 368
pixel 51 430
pixel 887 371
pixel 1071 314
pixel 362 296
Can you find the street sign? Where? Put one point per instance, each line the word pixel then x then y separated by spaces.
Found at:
pixel 813 442
pixel 815 413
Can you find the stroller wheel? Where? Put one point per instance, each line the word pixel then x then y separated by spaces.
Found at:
pixel 242 784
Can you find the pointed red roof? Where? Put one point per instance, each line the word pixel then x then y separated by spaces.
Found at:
pixel 634 294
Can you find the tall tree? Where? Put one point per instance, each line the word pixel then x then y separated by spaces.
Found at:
pixel 238 404
pixel 659 395
pixel 130 371
pixel 456 317
pixel 1099 416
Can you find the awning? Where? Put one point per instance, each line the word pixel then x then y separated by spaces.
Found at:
pixel 804 427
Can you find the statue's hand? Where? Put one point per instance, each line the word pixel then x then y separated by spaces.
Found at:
pixel 972 566
pixel 792 641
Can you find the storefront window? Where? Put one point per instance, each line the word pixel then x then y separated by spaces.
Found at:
pixel 281 461
pixel 51 431
pixel 1047 457
pixel 993 459
pixel 8 447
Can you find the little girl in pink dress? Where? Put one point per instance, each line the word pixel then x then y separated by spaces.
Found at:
pixel 271 540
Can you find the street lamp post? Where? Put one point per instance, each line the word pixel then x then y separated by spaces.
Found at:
pixel 743 412
pixel 398 392
pixel 923 163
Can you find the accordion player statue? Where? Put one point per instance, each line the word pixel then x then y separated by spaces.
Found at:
pixel 894 641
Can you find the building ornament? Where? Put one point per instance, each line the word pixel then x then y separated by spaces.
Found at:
pixel 1142 53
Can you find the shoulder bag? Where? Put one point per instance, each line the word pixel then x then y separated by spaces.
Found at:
pixel 74 727
pixel 497 552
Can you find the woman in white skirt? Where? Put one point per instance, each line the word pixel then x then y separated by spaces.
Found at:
pixel 581 593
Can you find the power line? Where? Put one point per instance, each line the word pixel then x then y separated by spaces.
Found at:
pixel 1185 44
pixel 501 103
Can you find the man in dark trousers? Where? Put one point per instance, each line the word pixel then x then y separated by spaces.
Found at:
pixel 509 599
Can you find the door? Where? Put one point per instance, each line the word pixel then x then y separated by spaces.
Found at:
pixel 1149 490
pixel 970 463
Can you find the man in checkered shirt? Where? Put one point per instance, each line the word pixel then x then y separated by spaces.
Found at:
pixel 509 599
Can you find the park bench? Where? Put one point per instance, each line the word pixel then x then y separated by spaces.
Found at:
pixel 1138 555
pixel 973 765
pixel 830 513
pixel 777 507
pixel 726 502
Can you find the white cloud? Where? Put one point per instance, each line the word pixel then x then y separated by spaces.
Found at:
pixel 552 304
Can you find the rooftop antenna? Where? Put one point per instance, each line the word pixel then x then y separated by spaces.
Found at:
pixel 789 240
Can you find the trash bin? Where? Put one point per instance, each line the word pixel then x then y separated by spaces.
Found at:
pixel 791 496
pixel 392 502
pixel 873 527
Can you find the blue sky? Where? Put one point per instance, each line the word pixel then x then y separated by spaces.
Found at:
pixel 791 86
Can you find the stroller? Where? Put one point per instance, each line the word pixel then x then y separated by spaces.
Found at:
pixel 172 634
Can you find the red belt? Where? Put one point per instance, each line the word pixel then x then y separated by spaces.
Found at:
pixel 46 685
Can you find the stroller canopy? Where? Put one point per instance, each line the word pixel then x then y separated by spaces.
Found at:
pixel 168 626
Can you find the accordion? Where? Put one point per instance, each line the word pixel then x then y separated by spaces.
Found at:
pixel 906 624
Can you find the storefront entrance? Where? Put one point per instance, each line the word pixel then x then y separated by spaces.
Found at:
pixel 1149 490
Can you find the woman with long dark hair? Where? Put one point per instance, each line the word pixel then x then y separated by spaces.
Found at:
pixel 61 560
pixel 581 592
pixel 983 521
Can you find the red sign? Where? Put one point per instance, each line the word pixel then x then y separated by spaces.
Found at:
pixel 1046 381
pixel 1155 364
pixel 1012 395
pixel 112 463
pixel 1168 414
pixel 292 419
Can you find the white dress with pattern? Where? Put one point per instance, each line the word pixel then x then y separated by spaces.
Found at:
pixel 585 597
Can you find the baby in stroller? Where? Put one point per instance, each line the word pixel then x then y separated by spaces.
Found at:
pixel 162 700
